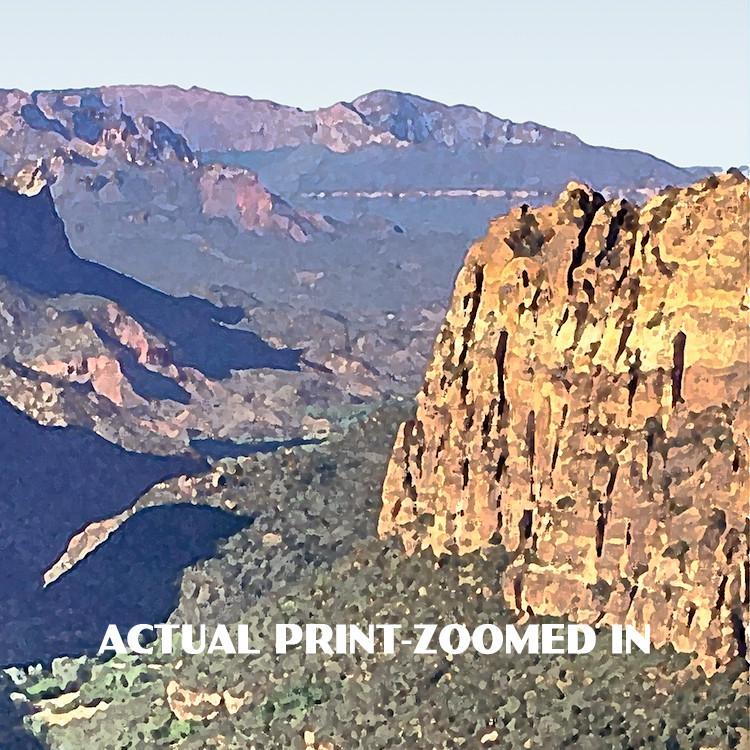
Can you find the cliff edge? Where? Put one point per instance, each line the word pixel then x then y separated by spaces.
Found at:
pixel 586 407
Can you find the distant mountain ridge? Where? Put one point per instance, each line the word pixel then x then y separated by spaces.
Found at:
pixel 388 139
pixel 42 132
pixel 394 118
pixel 385 117
pixel 214 121
pixel 385 140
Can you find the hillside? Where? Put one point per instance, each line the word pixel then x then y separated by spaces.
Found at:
pixel 606 482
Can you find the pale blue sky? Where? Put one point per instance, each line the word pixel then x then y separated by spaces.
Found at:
pixel 671 77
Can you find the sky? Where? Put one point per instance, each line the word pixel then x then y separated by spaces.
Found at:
pixel 671 77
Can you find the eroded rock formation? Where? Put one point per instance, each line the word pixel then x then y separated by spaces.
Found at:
pixel 586 406
pixel 237 194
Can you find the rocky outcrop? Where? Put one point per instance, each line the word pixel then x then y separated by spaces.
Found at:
pixel 414 119
pixel 586 407
pixel 196 705
pixel 237 194
pixel 102 372
pixel 42 132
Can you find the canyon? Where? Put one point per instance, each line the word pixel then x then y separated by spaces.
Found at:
pixel 215 313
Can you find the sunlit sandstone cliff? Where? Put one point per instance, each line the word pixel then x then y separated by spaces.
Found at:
pixel 586 406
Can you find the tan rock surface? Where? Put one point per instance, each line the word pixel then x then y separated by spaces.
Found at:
pixel 586 406
pixel 196 705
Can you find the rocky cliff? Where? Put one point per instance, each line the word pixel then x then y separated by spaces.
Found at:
pixel 237 194
pixel 586 407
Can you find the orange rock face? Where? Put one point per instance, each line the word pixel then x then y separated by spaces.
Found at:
pixel 586 406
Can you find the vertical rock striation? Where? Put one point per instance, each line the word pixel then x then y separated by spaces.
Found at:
pixel 586 407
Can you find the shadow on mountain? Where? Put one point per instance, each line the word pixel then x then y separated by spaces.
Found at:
pixel 58 479
pixel 34 252
pixel 13 734
pixel 55 481
pixel 146 383
pixel 132 578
